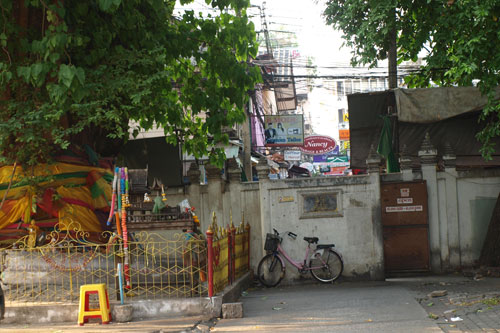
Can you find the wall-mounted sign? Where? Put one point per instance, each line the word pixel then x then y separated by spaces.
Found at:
pixel 318 145
pixel 324 157
pixel 338 161
pixel 292 155
pixel 345 117
pixel 320 204
pixel 285 130
pixel 344 134
pixel 286 199
pixel 402 201
pixel 405 192
pixel 399 209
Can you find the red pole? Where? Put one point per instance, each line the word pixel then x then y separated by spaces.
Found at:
pixel 210 266
pixel 247 227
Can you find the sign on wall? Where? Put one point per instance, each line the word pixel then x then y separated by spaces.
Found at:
pixel 344 134
pixel 338 161
pixel 284 130
pixel 320 204
pixel 318 145
pixel 292 155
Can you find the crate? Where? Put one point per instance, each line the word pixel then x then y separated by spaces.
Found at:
pixel 272 242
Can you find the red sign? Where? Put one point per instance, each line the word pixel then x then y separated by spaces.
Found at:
pixel 317 145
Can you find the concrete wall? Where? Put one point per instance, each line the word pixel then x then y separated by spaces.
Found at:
pixel 460 205
pixel 356 231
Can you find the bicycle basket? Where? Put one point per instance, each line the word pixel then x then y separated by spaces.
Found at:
pixel 272 242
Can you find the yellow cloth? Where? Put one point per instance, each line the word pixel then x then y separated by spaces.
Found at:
pixel 18 197
pixel 71 216
pixel 13 210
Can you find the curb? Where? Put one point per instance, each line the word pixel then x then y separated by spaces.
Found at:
pixel 142 309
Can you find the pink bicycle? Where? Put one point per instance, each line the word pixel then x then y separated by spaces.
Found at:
pixel 324 263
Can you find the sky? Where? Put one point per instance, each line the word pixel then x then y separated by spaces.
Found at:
pixel 303 17
pixel 315 38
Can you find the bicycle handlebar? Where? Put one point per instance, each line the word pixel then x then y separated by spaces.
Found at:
pixel 289 233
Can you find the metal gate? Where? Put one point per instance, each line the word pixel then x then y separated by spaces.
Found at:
pixel 405 227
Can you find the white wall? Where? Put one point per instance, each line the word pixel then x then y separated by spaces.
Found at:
pixel 352 232
pixel 460 206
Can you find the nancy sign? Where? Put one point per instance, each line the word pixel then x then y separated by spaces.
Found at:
pixel 318 144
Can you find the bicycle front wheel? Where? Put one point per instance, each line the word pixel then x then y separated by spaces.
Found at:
pixel 271 270
pixel 326 265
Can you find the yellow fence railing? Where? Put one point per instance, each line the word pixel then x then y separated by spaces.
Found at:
pixel 228 251
pixel 158 268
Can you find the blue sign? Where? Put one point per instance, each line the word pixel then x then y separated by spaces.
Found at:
pixel 324 158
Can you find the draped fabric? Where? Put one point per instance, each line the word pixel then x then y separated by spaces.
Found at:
pixel 72 193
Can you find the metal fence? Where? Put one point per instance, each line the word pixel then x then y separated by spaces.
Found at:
pixel 157 267
pixel 228 254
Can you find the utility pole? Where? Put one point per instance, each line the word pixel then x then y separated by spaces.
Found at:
pixel 246 134
pixel 392 54
pixel 263 22
pixel 393 81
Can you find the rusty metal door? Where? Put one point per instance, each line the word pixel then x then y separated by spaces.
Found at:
pixel 405 227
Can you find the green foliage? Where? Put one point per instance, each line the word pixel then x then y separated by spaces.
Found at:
pixel 84 69
pixel 462 37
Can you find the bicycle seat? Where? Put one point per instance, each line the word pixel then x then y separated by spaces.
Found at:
pixel 325 246
pixel 311 239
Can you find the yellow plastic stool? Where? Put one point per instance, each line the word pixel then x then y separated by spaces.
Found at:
pixel 84 313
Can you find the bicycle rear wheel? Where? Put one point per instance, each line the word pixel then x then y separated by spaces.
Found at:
pixel 271 270
pixel 328 265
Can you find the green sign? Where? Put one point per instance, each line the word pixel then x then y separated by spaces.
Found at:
pixel 338 160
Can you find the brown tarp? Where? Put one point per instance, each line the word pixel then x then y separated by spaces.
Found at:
pixel 434 104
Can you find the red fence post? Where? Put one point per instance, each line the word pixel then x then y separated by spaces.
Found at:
pixel 210 266
pixel 247 227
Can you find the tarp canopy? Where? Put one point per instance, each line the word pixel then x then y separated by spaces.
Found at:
pixel 449 116
pixel 434 104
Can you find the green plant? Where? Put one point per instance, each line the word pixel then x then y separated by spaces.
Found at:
pixel 78 71
pixel 460 40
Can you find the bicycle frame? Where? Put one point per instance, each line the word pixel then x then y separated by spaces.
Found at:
pixel 301 266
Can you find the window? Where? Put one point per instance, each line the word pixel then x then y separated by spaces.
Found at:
pixel 340 88
pixel 356 86
pixel 341 116
pixel 364 85
pixel 348 87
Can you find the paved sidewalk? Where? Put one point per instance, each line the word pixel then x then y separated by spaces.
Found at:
pixel 396 305
pixel 470 305
pixel 344 307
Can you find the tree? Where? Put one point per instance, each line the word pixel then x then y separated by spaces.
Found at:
pixel 460 36
pixel 78 71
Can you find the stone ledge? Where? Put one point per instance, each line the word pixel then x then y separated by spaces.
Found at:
pixel 169 307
